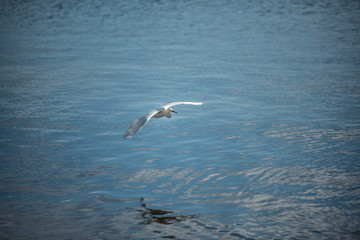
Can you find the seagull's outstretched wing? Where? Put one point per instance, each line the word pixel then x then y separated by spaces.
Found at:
pixel 179 103
pixel 138 124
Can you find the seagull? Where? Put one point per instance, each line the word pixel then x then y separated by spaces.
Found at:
pixel 164 111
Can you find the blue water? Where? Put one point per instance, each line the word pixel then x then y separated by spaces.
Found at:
pixel 272 154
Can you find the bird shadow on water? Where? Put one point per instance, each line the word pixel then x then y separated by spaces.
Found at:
pixel 151 215
pixel 167 223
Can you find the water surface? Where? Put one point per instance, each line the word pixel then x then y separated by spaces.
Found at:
pixel 272 154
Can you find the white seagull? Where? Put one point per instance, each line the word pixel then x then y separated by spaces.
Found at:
pixel 164 111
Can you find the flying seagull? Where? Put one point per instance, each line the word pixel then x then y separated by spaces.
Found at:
pixel 164 111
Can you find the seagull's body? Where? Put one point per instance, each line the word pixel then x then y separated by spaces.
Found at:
pixel 164 111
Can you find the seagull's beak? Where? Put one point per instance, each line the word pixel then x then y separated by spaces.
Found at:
pixel 172 110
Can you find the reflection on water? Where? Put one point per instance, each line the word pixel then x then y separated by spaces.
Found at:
pixel 156 215
pixel 272 154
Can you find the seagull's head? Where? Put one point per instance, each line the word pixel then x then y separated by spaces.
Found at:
pixel 172 110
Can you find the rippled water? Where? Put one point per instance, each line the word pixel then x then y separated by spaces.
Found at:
pixel 272 154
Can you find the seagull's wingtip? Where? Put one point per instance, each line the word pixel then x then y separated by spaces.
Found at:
pixel 127 136
pixel 198 103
